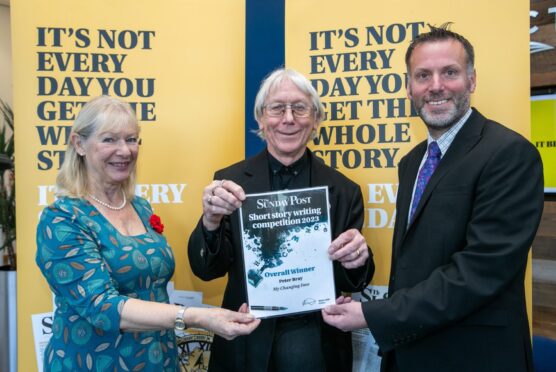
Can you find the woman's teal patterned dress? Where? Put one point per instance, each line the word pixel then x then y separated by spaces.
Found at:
pixel 93 269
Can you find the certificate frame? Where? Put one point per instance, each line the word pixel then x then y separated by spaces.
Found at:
pixel 285 238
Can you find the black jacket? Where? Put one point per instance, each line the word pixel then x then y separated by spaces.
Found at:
pixel 252 353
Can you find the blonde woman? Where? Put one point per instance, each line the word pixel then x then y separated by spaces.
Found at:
pixel 105 257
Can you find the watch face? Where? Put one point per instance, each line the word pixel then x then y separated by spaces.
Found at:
pixel 179 324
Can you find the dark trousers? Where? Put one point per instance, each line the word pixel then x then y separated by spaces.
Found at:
pixel 297 345
pixel 389 363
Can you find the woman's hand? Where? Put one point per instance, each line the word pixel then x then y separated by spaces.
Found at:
pixel 225 323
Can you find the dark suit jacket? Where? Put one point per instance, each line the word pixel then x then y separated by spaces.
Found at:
pixel 251 353
pixel 456 293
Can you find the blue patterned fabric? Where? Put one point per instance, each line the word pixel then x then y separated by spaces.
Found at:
pixel 425 174
pixel 92 270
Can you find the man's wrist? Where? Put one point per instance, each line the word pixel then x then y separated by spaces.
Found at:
pixel 210 226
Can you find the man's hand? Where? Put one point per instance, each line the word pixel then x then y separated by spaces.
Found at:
pixel 220 198
pixel 350 248
pixel 346 315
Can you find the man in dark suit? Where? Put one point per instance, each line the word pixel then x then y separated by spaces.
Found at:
pixel 288 111
pixel 467 212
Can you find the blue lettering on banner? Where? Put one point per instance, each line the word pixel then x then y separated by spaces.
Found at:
pixel 100 54
pixel 361 109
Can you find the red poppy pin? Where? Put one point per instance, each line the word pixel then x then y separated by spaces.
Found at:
pixel 156 223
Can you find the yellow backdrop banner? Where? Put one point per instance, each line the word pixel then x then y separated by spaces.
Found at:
pixel 179 62
pixel 354 54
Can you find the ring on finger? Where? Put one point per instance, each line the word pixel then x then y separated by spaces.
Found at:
pixel 209 200
pixel 358 252
pixel 222 182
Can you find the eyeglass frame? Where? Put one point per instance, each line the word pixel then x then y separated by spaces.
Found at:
pixel 310 109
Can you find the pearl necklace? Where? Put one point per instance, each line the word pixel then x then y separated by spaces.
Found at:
pixel 118 208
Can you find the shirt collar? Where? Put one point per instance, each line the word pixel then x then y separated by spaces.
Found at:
pixel 276 166
pixel 446 139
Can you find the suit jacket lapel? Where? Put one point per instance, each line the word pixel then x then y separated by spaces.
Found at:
pixel 468 136
pixel 405 192
pixel 256 174
pixel 319 173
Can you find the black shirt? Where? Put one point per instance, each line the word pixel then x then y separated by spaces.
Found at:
pixel 294 176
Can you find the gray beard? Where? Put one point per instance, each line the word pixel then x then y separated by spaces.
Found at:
pixel 434 122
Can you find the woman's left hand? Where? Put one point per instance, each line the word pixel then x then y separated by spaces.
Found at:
pixel 225 323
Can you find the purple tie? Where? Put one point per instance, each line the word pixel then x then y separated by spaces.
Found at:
pixel 425 174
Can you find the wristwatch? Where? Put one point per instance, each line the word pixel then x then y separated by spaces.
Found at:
pixel 179 323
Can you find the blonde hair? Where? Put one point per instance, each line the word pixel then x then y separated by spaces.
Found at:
pixel 100 114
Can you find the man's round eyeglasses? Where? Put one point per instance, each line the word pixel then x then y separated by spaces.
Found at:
pixel 299 110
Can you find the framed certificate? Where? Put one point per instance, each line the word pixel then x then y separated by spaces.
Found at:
pixel 285 237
